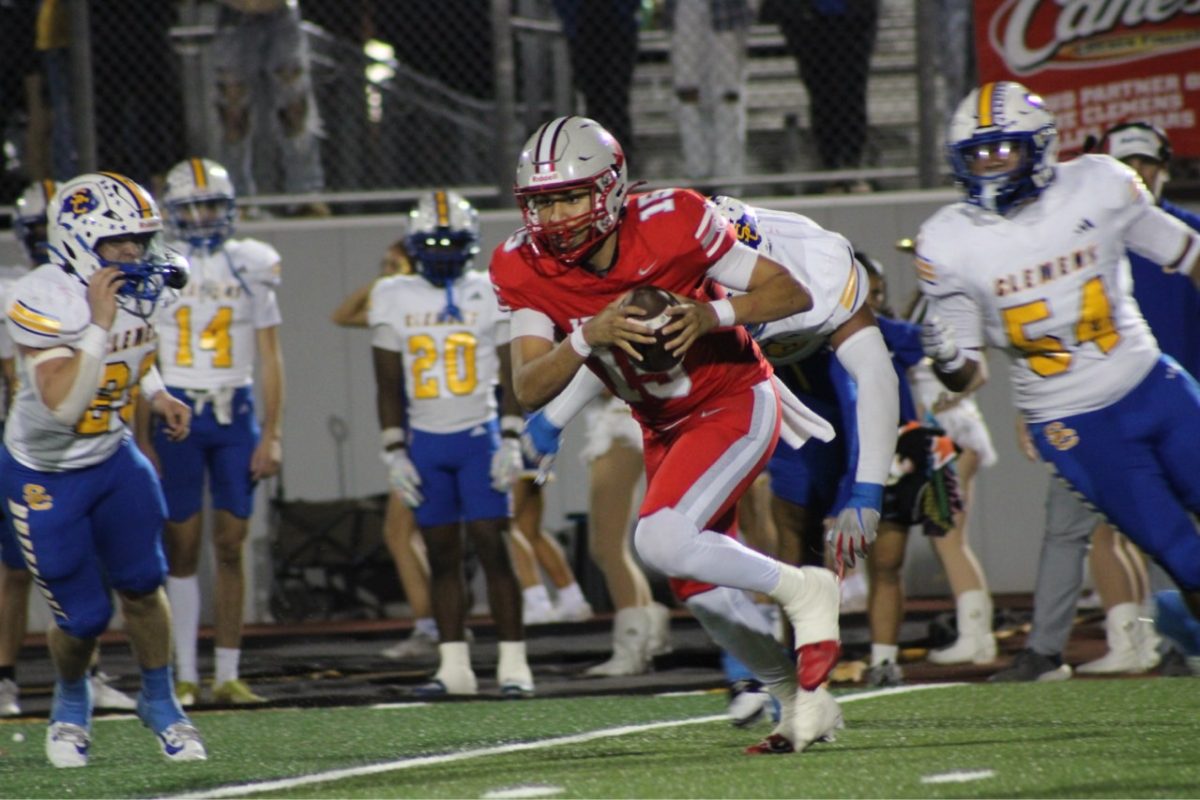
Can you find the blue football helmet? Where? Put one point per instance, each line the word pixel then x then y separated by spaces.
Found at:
pixel 443 236
pixel 29 224
pixel 1002 144
pixel 91 208
pixel 200 203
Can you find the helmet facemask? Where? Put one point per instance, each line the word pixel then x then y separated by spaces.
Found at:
pixel 201 204
pixel 562 157
pixel 443 237
pixel 997 120
pixel 97 208
pixel 29 223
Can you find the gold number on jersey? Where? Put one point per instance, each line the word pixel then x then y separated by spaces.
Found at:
pixel 116 393
pixel 458 362
pixel 1046 354
pixel 215 337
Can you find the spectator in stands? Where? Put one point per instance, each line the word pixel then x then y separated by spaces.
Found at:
pixel 832 41
pixel 708 61
pixel 603 41
pixel 260 43
pixel 21 107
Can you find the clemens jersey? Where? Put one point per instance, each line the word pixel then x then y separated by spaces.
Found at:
pixel 823 262
pixel 1050 284
pixel 451 369
pixel 49 308
pixel 208 330
pixel 672 239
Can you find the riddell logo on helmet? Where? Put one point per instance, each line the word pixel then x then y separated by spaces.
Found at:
pixel 546 177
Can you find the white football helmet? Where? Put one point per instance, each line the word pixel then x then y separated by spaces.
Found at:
pixel 565 154
pixel 443 236
pixel 993 122
pixel 96 206
pixel 743 219
pixel 29 224
pixel 200 203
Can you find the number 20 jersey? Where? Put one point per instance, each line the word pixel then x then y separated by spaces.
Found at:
pixel 672 239
pixel 48 308
pixel 1050 284
pixel 208 331
pixel 450 366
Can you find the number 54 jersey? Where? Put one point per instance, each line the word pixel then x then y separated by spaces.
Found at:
pixel 1050 284
pixel 450 364
pixel 208 331
pixel 48 308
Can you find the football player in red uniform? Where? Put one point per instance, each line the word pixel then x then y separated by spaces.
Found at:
pixel 709 423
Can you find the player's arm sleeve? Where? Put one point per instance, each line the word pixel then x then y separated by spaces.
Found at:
pixel 529 322
pixel 582 389
pixel 1164 240
pixel 733 270
pixel 877 409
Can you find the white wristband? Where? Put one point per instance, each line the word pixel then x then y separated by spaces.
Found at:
pixel 391 437
pixel 724 310
pixel 94 342
pixel 511 425
pixel 152 383
pixel 579 343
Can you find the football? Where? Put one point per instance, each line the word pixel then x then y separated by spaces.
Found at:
pixel 654 302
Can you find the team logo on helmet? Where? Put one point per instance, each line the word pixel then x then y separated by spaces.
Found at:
pixel 81 201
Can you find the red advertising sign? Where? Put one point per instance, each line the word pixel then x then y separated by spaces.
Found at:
pixel 1099 62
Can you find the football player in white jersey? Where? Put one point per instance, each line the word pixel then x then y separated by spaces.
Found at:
pixel 1033 262
pixel 29 227
pixel 83 502
pixel 212 335
pixel 440 345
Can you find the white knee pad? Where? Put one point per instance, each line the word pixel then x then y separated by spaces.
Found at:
pixel 665 540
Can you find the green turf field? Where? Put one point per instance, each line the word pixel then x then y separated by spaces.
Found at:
pixel 1081 738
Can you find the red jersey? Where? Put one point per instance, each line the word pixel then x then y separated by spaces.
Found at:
pixel 668 238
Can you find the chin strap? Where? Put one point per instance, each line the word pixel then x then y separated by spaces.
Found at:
pixel 451 313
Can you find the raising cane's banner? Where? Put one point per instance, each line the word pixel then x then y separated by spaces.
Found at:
pixel 1099 62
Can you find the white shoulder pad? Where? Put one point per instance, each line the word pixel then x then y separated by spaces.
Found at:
pixel 46 308
pixel 256 262
pixel 380 301
pixel 938 255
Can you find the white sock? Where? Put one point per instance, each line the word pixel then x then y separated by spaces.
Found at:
pixel 536 596
pixel 184 596
pixel 227 664
pixel 883 653
pixel 571 596
pixel 454 656
pixel 427 626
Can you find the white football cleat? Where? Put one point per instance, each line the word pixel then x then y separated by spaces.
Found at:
pixel 180 741
pixel 67 745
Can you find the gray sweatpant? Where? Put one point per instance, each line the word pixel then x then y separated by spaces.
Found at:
pixel 1069 525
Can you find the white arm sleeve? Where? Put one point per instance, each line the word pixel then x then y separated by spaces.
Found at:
pixel 92 346
pixel 733 270
pixel 527 322
pixel 151 383
pixel 877 410
pixel 1164 240
pixel 571 400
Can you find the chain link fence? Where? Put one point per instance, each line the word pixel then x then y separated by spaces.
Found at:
pixel 358 104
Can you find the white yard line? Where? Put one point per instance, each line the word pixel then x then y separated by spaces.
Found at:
pixel 282 784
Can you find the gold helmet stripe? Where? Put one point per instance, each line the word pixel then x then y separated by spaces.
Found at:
pixel 139 197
